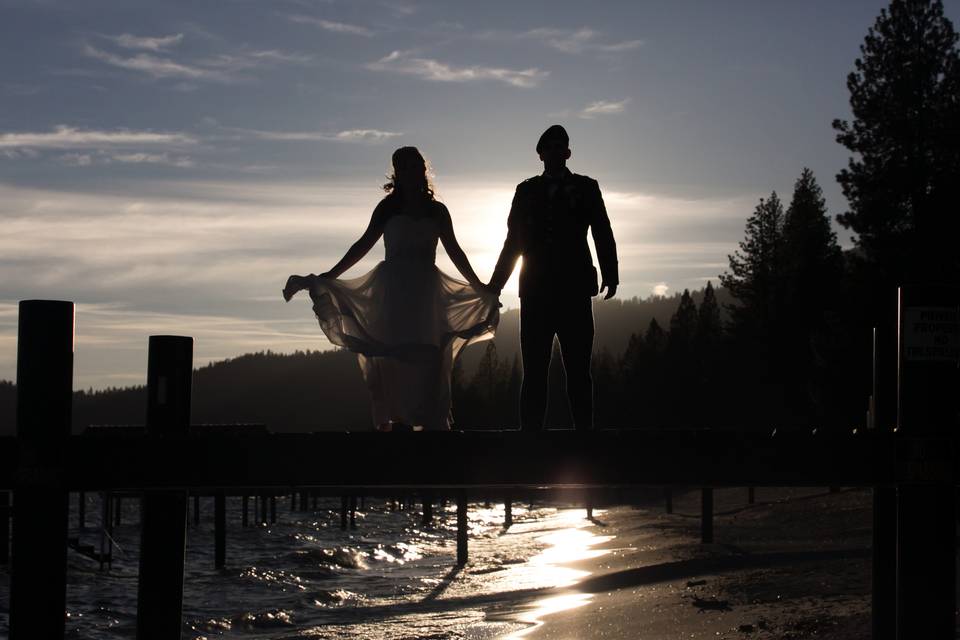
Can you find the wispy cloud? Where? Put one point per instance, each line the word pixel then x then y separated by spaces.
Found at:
pixel 572 41
pixel 330 25
pixel 76 159
pixel 65 137
pixel 349 135
pixel 154 158
pixel 245 60
pixel 579 40
pixel 603 108
pixel 128 41
pixel 155 66
pixel 226 67
pixel 429 69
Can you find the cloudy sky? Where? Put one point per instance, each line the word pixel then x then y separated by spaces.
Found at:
pixel 167 165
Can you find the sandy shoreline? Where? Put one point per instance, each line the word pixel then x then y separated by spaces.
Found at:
pixel 794 565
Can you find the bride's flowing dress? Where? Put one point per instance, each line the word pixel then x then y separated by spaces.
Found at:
pixel 407 321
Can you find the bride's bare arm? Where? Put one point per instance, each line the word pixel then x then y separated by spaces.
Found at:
pixel 356 251
pixel 362 246
pixel 452 247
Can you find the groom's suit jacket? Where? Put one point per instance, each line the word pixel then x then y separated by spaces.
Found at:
pixel 548 226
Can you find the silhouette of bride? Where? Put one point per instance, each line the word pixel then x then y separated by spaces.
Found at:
pixel 406 320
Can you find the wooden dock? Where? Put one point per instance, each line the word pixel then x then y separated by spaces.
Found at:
pixel 913 473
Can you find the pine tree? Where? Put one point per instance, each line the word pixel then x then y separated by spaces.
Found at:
pixel 901 182
pixel 812 260
pixel 683 327
pixel 709 329
pixel 813 269
pixel 755 272
pixel 655 339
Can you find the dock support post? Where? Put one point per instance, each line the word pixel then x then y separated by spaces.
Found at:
pixel 244 508
pixel 928 330
pixel 118 508
pixel 668 499
pixel 706 516
pixel 220 529
pixel 508 511
pixel 196 509
pixel 164 533
pixel 884 574
pixel 343 512
pixel 462 527
pixel 353 511
pixel 4 527
pixel 82 510
pixel 589 504
pixel 427 509
pixel 38 572
pixel 263 508
pixel 273 509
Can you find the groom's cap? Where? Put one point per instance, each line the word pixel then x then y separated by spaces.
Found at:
pixel 554 132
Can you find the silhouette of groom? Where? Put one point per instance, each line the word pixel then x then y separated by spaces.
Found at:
pixel 548 226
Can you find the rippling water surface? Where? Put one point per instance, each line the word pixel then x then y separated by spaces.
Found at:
pixel 304 577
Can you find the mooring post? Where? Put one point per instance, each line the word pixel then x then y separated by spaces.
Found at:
pixel 928 379
pixel 462 527
pixel 353 511
pixel 4 527
pixel 82 510
pixel 244 508
pixel 884 570
pixel 588 495
pixel 706 516
pixel 427 497
pixel 220 529
pixel 508 510
pixel 163 533
pixel 38 572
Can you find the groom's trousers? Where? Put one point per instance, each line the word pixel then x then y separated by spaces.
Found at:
pixel 570 318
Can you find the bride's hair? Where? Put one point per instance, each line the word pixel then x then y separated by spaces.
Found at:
pixel 401 157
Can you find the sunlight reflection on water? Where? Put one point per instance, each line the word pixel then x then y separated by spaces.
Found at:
pixel 570 542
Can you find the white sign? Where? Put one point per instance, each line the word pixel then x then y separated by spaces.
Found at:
pixel 931 334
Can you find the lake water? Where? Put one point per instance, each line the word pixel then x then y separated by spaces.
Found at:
pixel 304 577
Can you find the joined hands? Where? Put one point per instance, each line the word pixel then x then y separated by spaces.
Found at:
pixel 611 290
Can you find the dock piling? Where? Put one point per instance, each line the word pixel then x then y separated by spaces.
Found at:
pixel 163 532
pixel 220 529
pixel 927 380
pixel 38 571
pixel 82 510
pixel 462 527
pixel 4 527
